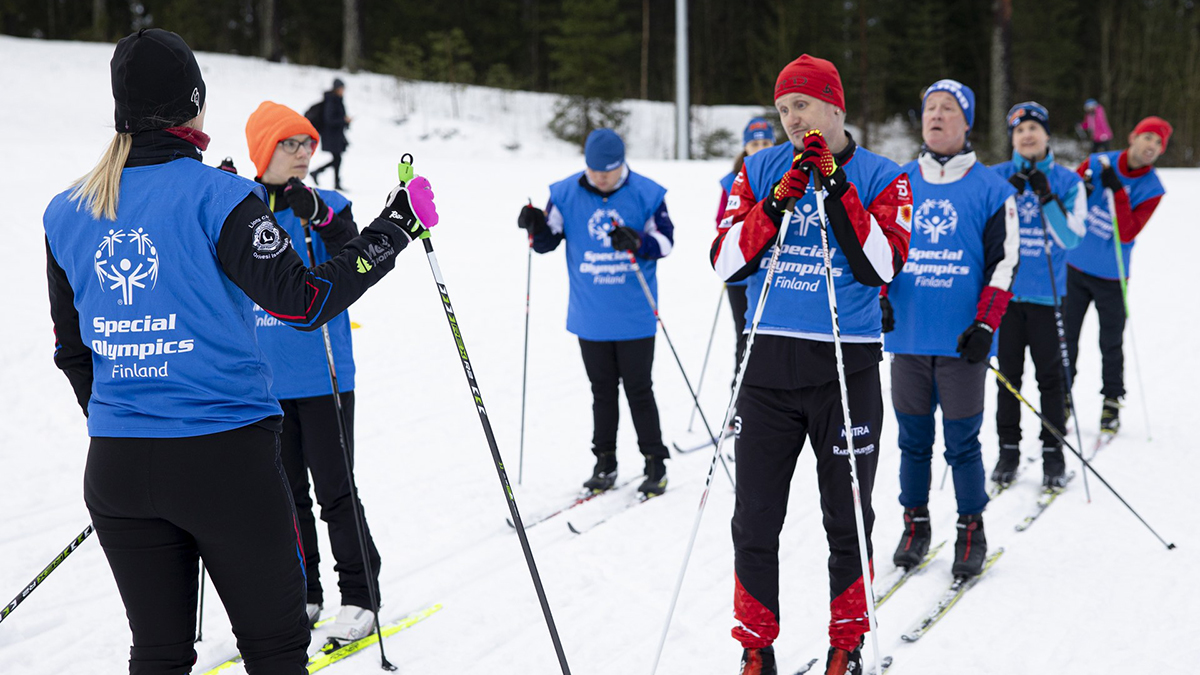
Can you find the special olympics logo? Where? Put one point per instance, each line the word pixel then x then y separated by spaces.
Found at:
pixel 809 217
pixel 602 222
pixel 936 217
pixel 1028 209
pixel 125 260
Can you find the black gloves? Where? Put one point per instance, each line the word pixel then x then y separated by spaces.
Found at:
pixel 818 161
pixel 975 342
pixel 791 186
pixel 1108 178
pixel 889 319
pixel 306 203
pixel 1017 180
pixel 1040 186
pixel 625 239
pixel 532 219
pixel 399 211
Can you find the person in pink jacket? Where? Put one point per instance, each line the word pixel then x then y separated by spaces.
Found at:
pixel 1095 125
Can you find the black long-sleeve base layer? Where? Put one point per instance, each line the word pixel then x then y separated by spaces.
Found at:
pixel 160 505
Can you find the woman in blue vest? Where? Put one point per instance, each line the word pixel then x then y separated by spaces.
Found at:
pixel 790 389
pixel 281 143
pixel 944 309
pixel 1131 180
pixel 151 257
pixel 1051 204
pixel 758 135
pixel 608 214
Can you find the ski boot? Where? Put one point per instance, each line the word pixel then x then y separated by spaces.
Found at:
pixel 758 662
pixel 1110 416
pixel 313 611
pixel 970 549
pixel 1006 467
pixel 914 544
pixel 604 475
pixel 352 623
pixel 656 478
pixel 1054 468
pixel 841 662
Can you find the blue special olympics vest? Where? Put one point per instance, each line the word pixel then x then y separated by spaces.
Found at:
pixel 935 296
pixel 606 301
pixel 297 358
pixel 1095 254
pixel 172 338
pixel 727 186
pixel 798 303
pixel 1032 282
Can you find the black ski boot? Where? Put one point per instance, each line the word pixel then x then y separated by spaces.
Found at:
pixel 604 476
pixel 842 662
pixel 1110 416
pixel 914 544
pixel 1054 468
pixel 970 549
pixel 656 477
pixel 1006 467
pixel 758 662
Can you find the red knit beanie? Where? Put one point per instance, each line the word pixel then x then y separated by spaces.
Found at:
pixel 1155 125
pixel 815 77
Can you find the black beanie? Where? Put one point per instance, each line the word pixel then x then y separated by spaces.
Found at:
pixel 156 82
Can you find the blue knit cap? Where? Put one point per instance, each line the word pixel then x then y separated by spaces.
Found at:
pixel 1029 110
pixel 759 129
pixel 961 93
pixel 604 150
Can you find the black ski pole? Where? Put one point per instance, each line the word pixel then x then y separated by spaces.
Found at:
pixel 37 581
pixel 695 399
pixel 406 175
pixel 343 440
pixel 200 613
pixel 1064 355
pixel 1086 464
pixel 704 367
pixel 525 358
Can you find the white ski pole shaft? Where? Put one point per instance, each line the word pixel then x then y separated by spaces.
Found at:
pixel 737 387
pixel 525 358
pixel 859 522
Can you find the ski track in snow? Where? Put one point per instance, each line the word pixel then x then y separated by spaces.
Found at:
pixel 1086 590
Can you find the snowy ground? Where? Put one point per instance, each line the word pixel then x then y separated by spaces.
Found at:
pixel 1086 590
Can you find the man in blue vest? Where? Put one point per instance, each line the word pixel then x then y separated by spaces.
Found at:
pixel 611 219
pixel 1092 275
pixel 944 310
pixel 1052 204
pixel 791 386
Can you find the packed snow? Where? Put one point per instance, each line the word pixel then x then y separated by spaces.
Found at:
pixel 1086 590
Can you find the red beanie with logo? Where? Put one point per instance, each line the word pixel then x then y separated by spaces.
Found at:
pixel 1155 125
pixel 815 77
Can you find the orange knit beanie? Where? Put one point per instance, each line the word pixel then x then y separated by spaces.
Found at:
pixel 268 125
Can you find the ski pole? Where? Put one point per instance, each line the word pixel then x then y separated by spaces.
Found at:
pixel 1062 344
pixel 737 387
pixel 654 308
pixel 200 613
pixel 1086 464
pixel 343 440
pixel 1112 211
pixel 707 350
pixel 848 426
pixel 525 359
pixel 37 581
pixel 406 174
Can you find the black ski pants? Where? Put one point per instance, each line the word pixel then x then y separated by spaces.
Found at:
pixel 627 363
pixel 771 426
pixel 310 444
pixel 738 303
pixel 1082 290
pixel 1028 325
pixel 336 165
pixel 160 505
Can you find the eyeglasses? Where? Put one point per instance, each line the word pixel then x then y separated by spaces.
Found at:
pixel 292 146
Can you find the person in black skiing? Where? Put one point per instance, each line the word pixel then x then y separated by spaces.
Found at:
pixel 154 262
pixel 1126 180
pixel 940 317
pixel 611 219
pixel 791 389
pixel 335 121
pixel 1051 205
pixel 281 143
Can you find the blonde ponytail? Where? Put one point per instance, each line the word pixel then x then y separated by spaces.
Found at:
pixel 101 187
